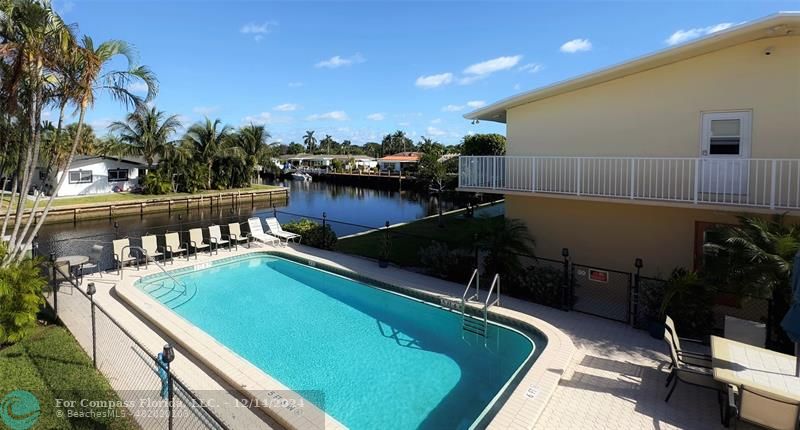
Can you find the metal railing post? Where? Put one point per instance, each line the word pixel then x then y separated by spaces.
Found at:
pixel 696 179
pixel 324 224
pixel 90 290
pixel 633 178
pixel 774 179
pixel 533 174
pixel 578 178
pixel 494 172
pixel 55 283
pixel 635 292
pixel 566 300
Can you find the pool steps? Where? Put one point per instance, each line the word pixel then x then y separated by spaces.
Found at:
pixel 472 324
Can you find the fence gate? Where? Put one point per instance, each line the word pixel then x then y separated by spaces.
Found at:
pixel 601 292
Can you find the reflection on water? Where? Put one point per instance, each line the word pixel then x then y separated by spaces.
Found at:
pixel 364 207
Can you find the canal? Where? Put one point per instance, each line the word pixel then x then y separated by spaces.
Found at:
pixel 349 210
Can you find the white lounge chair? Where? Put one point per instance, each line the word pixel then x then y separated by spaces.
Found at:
pixel 257 232
pixel 196 241
pixel 173 245
pixel 276 230
pixel 150 247
pixel 215 238
pixel 122 254
pixel 235 235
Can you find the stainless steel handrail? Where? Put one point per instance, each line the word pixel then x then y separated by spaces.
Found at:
pixel 486 304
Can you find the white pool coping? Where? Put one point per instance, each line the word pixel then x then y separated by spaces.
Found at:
pixel 520 409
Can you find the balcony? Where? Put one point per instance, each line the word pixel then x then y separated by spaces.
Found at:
pixel 758 183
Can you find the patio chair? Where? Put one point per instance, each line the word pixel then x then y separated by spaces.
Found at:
pixel 216 238
pixel 95 254
pixel 236 237
pixel 688 357
pixel 122 254
pixel 196 241
pixel 151 250
pixel 698 376
pixel 173 245
pixel 276 230
pixel 257 232
pixel 746 331
pixel 765 409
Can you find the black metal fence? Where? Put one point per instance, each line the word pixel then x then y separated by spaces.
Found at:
pixel 149 391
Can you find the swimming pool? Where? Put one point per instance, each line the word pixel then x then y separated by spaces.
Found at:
pixel 369 357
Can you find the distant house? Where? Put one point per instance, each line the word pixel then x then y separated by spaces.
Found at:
pixel 324 161
pixel 400 161
pixel 96 175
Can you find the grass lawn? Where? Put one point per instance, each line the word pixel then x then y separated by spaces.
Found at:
pixel 51 365
pixel 408 239
pixel 131 197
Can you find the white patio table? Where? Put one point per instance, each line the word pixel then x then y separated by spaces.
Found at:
pixel 738 364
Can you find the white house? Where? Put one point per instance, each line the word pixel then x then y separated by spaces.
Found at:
pixel 96 175
pixel 400 161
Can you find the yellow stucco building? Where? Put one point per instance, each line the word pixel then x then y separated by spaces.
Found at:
pixel 638 160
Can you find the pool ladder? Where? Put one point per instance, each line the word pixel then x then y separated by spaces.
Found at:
pixel 474 324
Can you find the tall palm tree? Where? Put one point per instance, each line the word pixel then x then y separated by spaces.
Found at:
pixel 146 132
pixel 252 142
pixel 208 140
pixel 327 141
pixel 92 79
pixel 310 141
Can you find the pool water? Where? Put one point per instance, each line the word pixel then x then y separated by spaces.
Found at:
pixel 370 358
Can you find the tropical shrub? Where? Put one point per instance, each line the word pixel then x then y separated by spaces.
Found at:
pixel 439 260
pixel 313 233
pixel 688 301
pixel 155 183
pixel 21 285
pixel 539 284
pixel 484 144
pixel 504 241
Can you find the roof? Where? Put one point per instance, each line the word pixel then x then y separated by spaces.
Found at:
pixel 131 160
pixel 776 25
pixel 403 156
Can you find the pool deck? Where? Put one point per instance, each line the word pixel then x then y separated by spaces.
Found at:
pixel 593 373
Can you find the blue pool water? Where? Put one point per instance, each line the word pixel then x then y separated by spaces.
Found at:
pixel 380 360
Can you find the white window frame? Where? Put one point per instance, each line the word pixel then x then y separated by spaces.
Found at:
pixel 127 175
pixel 745 118
pixel 80 177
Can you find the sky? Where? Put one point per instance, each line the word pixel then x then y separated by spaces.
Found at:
pixel 359 69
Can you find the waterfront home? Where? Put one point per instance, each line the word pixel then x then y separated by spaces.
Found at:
pixel 324 161
pixel 400 161
pixel 95 175
pixel 641 159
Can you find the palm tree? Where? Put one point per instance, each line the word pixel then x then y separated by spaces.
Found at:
pixel 327 143
pixel 310 141
pixel 252 142
pixel 146 132
pixel 208 140
pixel 504 240
pixel 91 77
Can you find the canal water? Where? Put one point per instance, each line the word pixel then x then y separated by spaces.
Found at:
pixel 349 210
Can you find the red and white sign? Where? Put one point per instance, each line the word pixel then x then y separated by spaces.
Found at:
pixel 598 276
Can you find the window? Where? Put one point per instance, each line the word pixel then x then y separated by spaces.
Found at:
pixel 725 137
pixel 80 177
pixel 117 175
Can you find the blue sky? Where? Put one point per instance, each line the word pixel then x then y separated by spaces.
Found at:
pixel 357 70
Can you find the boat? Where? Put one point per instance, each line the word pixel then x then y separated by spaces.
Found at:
pixel 300 176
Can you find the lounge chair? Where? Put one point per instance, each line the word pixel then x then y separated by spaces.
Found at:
pixel 151 250
pixel 257 232
pixel 122 254
pixel 235 235
pixel 173 245
pixel 215 237
pixel 196 241
pixel 95 254
pixel 763 408
pixel 688 357
pixel 693 375
pixel 276 230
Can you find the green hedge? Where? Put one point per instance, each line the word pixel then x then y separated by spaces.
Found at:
pixel 313 233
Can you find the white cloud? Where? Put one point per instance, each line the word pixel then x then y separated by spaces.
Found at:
pixel 433 131
pixel 476 104
pixel 261 119
pixel 286 107
pixel 377 116
pixel 576 45
pixel 404 124
pixel 433 81
pixel 531 68
pixel 494 65
pixel 258 31
pixel 682 35
pixel 336 115
pixel 205 110
pixel 337 61
pixel 452 108
pixel 295 84
pixel 137 87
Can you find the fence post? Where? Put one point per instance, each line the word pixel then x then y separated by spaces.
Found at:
pixel 324 224
pixel 772 186
pixel 274 212
pixel 578 178
pixel 477 250
pixel 635 292
pixel 168 355
pixel 566 295
pixel 90 290
pixel 55 283
pixel 633 179
pixel 116 230
pixel 696 180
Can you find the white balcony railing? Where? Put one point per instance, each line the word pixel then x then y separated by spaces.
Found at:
pixel 765 183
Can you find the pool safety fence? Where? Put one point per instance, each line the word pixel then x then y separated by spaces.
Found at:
pixel 144 382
